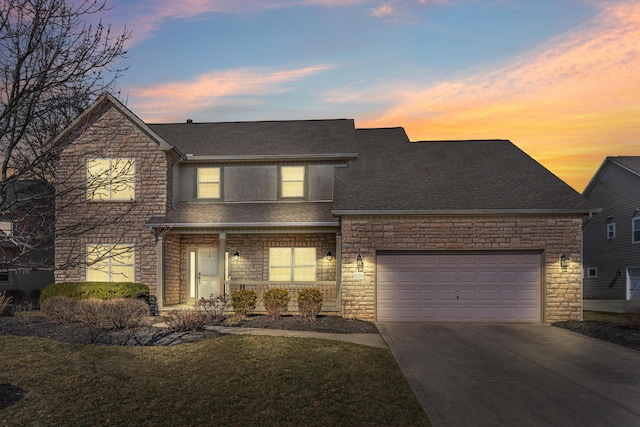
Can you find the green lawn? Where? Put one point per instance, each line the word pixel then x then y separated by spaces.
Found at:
pixel 233 380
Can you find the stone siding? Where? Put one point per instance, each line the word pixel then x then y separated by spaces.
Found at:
pixel 79 222
pixel 552 235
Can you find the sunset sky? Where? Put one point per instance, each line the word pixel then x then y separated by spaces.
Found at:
pixel 559 78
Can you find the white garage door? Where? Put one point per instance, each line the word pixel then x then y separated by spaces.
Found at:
pixel 459 287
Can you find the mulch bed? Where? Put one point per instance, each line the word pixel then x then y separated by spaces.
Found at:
pixel 606 331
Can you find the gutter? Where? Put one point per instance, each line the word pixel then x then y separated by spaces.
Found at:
pixel 243 224
pixel 242 158
pixel 342 212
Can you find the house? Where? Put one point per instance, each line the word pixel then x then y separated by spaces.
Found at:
pixel 387 229
pixel 26 238
pixel 612 238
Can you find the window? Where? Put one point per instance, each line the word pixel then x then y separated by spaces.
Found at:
pixel 636 230
pixel 292 264
pixel 6 227
pixel 208 183
pixel 110 263
pixel 611 230
pixel 111 179
pixel 4 276
pixel 292 181
pixel 592 272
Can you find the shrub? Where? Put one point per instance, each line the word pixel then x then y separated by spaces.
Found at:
pixel 22 312
pixel 116 313
pixel 99 290
pixel 631 317
pixel 186 320
pixel 60 309
pixel 309 303
pixel 5 300
pixel 243 301
pixel 16 294
pixel 213 308
pixel 276 301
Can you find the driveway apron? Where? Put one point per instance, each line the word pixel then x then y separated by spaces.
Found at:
pixel 516 375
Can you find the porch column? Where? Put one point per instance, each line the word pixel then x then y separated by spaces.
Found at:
pixel 223 265
pixel 339 271
pixel 160 271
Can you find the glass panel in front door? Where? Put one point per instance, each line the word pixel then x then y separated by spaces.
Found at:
pixel 633 278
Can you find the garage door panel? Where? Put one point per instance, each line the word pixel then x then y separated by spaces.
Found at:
pixel 459 287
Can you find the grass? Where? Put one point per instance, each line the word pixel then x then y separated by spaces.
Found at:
pixel 602 316
pixel 233 380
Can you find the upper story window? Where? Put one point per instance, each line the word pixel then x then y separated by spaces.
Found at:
pixel 111 179
pixel 292 264
pixel 611 230
pixel 636 230
pixel 110 263
pixel 592 273
pixel 292 181
pixel 208 183
pixel 6 227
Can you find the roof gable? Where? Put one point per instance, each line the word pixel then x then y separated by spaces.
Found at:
pixel 108 100
pixel 393 175
pixel 629 163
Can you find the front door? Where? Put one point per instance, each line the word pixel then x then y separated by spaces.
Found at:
pixel 633 283
pixel 204 273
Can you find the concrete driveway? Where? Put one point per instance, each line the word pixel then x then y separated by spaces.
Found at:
pixel 516 375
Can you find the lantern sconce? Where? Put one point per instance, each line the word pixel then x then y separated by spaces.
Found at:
pixel 564 262
pixel 359 262
pixel 328 256
pixel 236 256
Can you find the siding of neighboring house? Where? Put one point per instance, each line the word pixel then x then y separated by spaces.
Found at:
pixel 552 235
pixel 109 134
pixel 617 191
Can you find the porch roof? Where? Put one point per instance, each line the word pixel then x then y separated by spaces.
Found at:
pixel 267 214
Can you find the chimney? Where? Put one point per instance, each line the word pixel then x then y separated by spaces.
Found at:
pixel 189 121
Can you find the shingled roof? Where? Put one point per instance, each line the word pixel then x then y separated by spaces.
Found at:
pixel 393 175
pixel 263 138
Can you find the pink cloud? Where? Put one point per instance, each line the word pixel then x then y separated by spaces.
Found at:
pixel 171 101
pixel 383 11
pixel 562 102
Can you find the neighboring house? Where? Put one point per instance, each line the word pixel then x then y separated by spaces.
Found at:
pixel 612 238
pixel 26 246
pixel 389 230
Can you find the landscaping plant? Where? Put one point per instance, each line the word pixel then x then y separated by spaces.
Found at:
pixel 631 317
pixel 276 302
pixel 243 301
pixel 186 320
pixel 5 300
pixel 213 308
pixel 60 309
pixel 309 303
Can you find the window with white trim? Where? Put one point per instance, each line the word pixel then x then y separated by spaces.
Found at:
pixel 111 179
pixel 6 227
pixel 110 263
pixel 592 272
pixel 292 264
pixel 611 230
pixel 292 181
pixel 208 183
pixel 636 230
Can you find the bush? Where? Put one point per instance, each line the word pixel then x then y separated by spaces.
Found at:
pixel 99 290
pixel 23 311
pixel 16 294
pixel 5 300
pixel 186 320
pixel 276 302
pixel 116 313
pixel 309 303
pixel 243 301
pixel 213 308
pixel 60 309
pixel 631 317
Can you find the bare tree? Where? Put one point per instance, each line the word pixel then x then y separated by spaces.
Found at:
pixel 56 57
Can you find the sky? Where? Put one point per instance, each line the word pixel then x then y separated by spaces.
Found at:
pixel 558 78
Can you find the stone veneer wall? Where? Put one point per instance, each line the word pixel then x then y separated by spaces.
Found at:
pixel 108 134
pixel 554 235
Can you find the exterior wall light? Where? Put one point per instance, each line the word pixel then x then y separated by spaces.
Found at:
pixel 236 256
pixel 564 262
pixel 360 262
pixel 328 256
